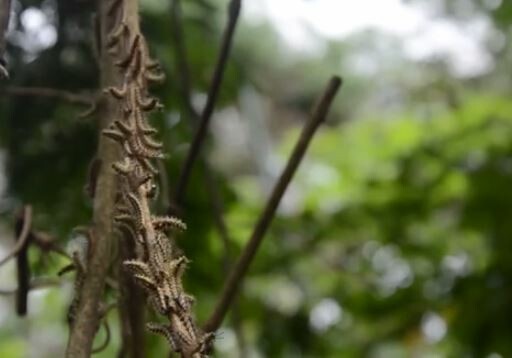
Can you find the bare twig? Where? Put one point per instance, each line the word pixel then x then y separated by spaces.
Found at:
pixel 22 238
pixel 35 284
pixel 183 71
pixel 23 233
pixel 47 243
pixel 217 209
pixel 106 341
pixel 180 51
pixel 216 203
pixel 105 310
pixel 110 281
pixel 82 99
pixel 238 272
pixel 199 137
pixel 25 237
pixel 43 240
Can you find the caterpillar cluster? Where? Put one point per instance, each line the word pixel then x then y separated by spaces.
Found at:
pixel 157 267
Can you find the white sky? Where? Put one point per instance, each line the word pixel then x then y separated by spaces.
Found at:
pixel 423 34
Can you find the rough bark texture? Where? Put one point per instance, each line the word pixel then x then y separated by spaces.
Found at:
pixel 86 320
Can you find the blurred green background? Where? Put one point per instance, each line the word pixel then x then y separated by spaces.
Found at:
pixel 395 238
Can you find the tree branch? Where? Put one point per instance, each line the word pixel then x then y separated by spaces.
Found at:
pixel 23 226
pixel 240 269
pixel 87 316
pixel 105 343
pixel 22 236
pixel 183 71
pixel 74 98
pixel 43 240
pixel 36 283
pixel 217 209
pixel 200 135
pixel 47 243
pixel 216 203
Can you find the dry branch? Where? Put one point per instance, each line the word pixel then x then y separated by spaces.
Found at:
pixel 36 283
pixel 216 202
pixel 23 225
pixel 47 243
pixel 183 72
pixel 213 93
pixel 63 95
pixel 242 265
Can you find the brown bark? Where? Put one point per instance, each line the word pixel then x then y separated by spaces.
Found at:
pixel 87 315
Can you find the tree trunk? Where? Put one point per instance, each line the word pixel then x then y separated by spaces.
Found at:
pixel 86 320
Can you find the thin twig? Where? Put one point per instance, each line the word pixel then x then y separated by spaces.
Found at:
pixel 83 99
pixel 109 281
pixel 217 209
pixel 240 269
pixel 106 341
pixel 106 310
pixel 47 243
pixel 200 135
pixel 23 233
pixel 23 236
pixel 183 72
pixel 36 283
pixel 217 206
pixel 43 240
pixel 180 51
